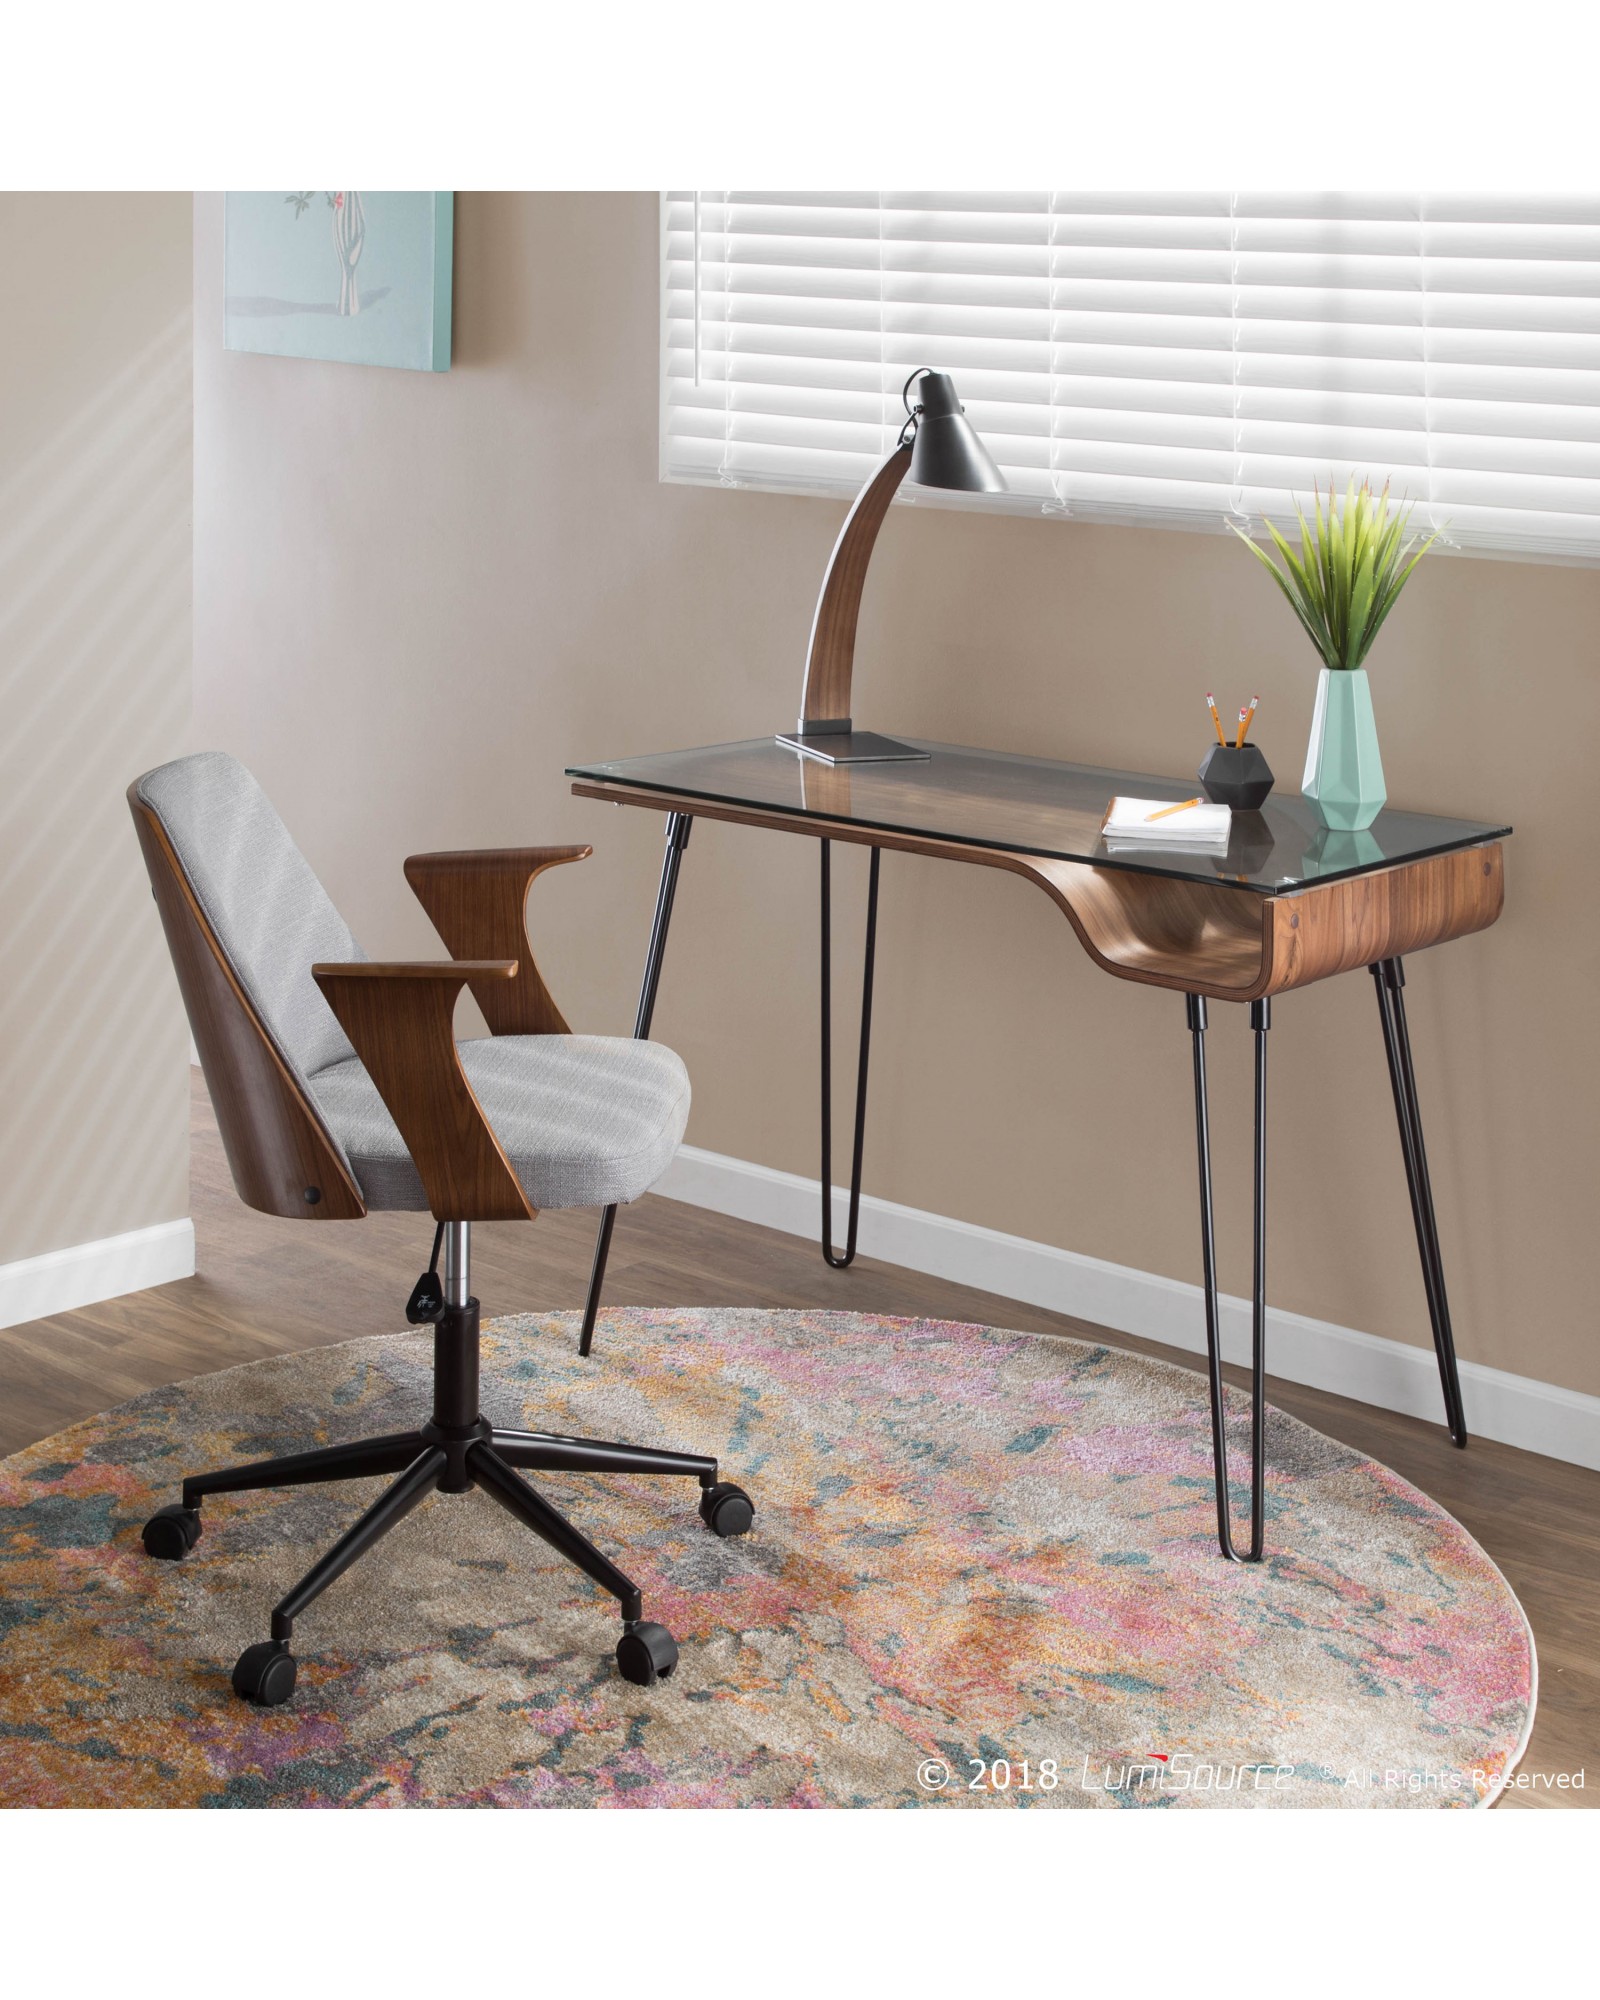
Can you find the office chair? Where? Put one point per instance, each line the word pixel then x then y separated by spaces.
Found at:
pixel 339 1087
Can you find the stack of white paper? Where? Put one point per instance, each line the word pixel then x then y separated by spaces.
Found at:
pixel 1131 821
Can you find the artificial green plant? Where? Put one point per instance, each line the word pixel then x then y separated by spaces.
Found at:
pixel 1351 567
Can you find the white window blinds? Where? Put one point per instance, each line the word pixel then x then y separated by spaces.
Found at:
pixel 1184 359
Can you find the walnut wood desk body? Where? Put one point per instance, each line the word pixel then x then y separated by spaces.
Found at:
pixel 1287 904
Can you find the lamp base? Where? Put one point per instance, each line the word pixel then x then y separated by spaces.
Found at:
pixel 852 746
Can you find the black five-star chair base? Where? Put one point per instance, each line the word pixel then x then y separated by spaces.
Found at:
pixel 457 1450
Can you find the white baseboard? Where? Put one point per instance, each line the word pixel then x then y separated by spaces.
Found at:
pixel 62 1280
pixel 1537 1416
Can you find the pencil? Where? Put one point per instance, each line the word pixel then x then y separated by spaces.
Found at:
pixel 1216 721
pixel 1246 717
pixel 1182 806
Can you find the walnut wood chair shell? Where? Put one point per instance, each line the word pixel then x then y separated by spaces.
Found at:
pixel 283 1159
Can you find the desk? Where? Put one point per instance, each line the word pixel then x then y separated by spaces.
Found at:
pixel 1288 903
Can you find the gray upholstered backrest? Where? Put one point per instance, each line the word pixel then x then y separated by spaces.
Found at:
pixel 271 915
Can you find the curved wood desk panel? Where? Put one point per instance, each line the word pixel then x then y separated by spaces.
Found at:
pixel 1194 937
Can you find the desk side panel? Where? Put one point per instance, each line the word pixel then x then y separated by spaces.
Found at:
pixel 1389 914
pixel 1194 937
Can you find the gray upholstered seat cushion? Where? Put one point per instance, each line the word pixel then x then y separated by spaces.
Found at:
pixel 585 1120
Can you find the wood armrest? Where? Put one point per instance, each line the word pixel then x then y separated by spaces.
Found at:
pixel 477 902
pixel 401 1020
pixel 461 970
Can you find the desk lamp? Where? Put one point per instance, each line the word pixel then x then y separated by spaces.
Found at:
pixel 937 447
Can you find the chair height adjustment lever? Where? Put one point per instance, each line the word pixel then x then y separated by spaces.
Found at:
pixel 425 1307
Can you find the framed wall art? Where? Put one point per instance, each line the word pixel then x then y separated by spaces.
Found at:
pixel 337 276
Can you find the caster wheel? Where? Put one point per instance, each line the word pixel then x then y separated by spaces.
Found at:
pixel 727 1509
pixel 265 1674
pixel 646 1654
pixel 170 1534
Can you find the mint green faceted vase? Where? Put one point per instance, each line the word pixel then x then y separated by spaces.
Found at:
pixel 1344 772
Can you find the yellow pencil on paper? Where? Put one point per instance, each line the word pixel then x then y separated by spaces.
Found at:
pixel 1166 812
pixel 1216 721
pixel 1246 717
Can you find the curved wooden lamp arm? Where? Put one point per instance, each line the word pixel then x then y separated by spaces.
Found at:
pixel 401 1019
pixel 477 902
pixel 825 698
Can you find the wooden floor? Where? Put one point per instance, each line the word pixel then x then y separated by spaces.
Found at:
pixel 268 1287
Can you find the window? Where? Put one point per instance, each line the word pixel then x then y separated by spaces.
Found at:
pixel 1183 359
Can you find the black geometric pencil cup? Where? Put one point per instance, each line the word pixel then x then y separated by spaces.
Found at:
pixel 1237 778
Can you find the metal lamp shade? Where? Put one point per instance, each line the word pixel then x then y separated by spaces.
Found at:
pixel 946 450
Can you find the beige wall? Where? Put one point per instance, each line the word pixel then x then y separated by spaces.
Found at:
pixel 95 577
pixel 419 597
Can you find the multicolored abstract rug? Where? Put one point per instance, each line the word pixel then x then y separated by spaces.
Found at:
pixel 982 1574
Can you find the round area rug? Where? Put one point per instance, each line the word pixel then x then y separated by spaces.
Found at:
pixel 982 1573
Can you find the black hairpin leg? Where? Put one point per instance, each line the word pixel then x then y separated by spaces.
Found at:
pixel 1260 1022
pixel 678 828
pixel 1390 978
pixel 841 1263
